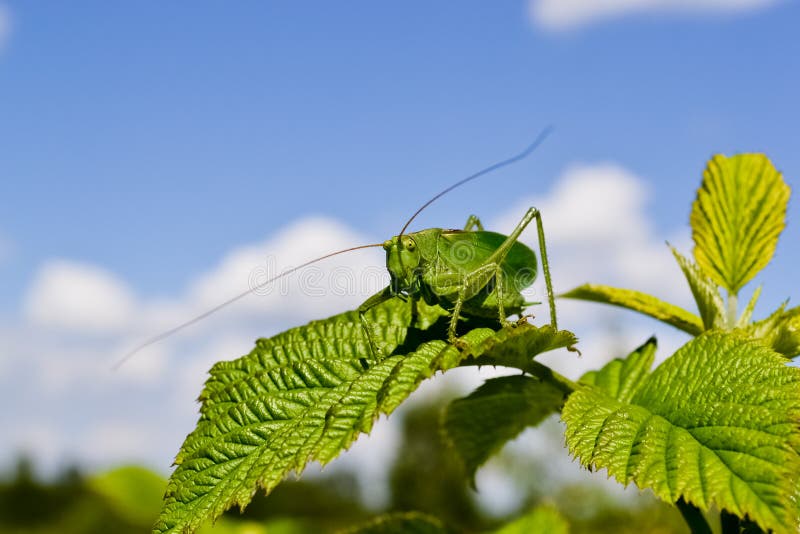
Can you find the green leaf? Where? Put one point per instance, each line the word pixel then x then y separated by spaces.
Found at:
pixel 780 331
pixel 306 394
pixel 478 425
pixel 715 424
pixel 621 378
pixel 705 292
pixel 737 217
pixel 401 523
pixel 517 345
pixel 540 519
pixel 640 302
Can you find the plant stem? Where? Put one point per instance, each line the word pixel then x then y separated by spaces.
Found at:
pixel 545 374
pixel 693 517
pixel 733 304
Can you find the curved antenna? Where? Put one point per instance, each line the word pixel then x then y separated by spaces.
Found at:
pixel 190 322
pixel 522 155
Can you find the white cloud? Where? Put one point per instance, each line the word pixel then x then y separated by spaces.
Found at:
pixel 567 14
pixel 113 442
pixel 38 440
pixel 327 287
pixel 78 297
pixel 600 204
pixel 319 290
pixel 5 26
pixel 63 365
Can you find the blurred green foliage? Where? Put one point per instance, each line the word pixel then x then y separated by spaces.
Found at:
pixel 425 477
pixel 126 500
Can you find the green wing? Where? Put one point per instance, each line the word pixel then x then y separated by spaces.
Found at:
pixel 465 251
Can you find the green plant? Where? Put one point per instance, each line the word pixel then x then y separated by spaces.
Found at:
pixel 716 425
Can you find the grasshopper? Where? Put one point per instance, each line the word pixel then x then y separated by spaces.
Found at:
pixel 468 272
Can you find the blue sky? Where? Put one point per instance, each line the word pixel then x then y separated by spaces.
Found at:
pixel 152 138
pixel 150 147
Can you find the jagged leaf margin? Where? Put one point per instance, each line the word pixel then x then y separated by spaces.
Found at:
pixel 640 302
pixel 717 423
pixel 736 219
pixel 621 378
pixel 780 331
pixel 705 291
pixel 305 395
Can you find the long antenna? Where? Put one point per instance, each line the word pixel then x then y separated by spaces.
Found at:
pixel 190 322
pixel 522 155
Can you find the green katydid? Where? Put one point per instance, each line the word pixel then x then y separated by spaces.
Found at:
pixel 469 272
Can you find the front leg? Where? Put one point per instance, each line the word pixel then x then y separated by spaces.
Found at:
pixel 465 286
pixel 451 329
pixel 378 298
pixel 501 294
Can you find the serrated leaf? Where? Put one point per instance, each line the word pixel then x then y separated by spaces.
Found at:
pixel 747 313
pixel 339 336
pixel 306 394
pixel 401 523
pixel 621 378
pixel 540 519
pixel 478 425
pixel 715 424
pixel 517 345
pixel 780 331
pixel 640 302
pixel 737 217
pixel 705 292
pixel 303 395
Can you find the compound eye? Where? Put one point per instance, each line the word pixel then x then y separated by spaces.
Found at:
pixel 409 244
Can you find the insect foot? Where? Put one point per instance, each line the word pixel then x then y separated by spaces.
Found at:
pixel 461 344
pixel 523 319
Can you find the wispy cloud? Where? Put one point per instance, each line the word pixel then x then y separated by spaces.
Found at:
pixel 559 15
